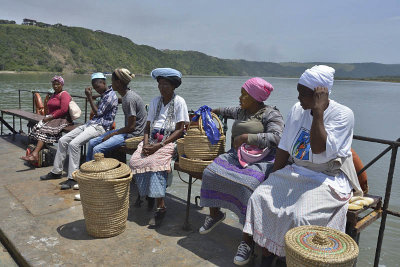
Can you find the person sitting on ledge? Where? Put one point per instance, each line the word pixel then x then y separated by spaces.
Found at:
pixel 72 142
pixel 151 161
pixel 231 178
pixel 49 129
pixel 315 189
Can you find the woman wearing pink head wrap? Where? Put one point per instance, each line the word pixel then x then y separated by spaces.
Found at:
pixel 230 179
pixel 49 129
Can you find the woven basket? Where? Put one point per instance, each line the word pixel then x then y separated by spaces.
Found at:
pixel 180 147
pixel 133 142
pixel 193 165
pixel 197 145
pixel 319 246
pixel 104 189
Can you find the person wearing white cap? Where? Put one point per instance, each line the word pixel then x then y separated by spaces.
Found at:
pixel 316 187
pixel 71 143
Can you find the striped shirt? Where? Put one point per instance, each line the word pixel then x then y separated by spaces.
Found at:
pixel 106 110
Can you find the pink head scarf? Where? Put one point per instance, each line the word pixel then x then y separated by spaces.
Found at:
pixel 258 88
pixel 58 79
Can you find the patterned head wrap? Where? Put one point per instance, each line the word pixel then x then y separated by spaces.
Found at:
pixel 58 79
pixel 169 74
pixel 124 75
pixel 258 88
pixel 319 75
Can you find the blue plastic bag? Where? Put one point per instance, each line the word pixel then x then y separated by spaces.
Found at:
pixel 209 126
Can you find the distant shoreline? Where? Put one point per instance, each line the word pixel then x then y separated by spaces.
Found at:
pixel 372 79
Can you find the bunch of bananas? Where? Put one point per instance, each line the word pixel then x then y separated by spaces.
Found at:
pixel 357 203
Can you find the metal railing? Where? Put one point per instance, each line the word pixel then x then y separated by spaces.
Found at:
pixel 393 147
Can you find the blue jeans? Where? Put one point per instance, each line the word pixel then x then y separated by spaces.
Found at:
pixel 96 145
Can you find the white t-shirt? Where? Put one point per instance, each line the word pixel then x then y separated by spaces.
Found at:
pixel 339 124
pixel 180 112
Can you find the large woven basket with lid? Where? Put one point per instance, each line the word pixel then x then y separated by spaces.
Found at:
pixel 311 245
pixel 197 145
pixel 104 189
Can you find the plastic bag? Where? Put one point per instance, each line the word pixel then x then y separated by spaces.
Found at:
pixel 209 126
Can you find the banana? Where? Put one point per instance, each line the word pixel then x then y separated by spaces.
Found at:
pixel 354 207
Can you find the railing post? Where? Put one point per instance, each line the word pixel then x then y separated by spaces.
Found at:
pixel 385 205
pixel 19 107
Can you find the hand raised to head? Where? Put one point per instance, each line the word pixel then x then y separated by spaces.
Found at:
pixel 321 99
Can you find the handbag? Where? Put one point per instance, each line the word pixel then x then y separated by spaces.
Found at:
pixel 74 110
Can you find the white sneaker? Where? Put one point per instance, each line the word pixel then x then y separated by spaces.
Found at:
pixel 76 187
pixel 77 197
pixel 243 254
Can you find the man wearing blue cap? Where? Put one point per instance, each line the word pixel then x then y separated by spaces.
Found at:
pixel 72 142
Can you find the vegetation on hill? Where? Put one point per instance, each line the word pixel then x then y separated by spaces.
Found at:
pixel 59 48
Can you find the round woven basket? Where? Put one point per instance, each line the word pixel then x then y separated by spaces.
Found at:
pixel 133 142
pixel 104 189
pixel 197 145
pixel 193 165
pixel 311 245
pixel 180 147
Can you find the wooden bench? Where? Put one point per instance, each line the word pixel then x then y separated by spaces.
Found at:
pixel 32 119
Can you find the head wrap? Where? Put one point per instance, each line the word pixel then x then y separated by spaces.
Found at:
pixel 258 88
pixel 319 75
pixel 169 74
pixel 124 75
pixel 58 79
pixel 98 75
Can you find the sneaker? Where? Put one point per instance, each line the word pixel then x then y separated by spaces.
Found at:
pixel 50 176
pixel 68 184
pixel 210 223
pixel 243 254
pixel 76 187
pixel 77 197
pixel 158 217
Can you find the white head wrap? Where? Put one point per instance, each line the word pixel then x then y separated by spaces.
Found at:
pixel 319 75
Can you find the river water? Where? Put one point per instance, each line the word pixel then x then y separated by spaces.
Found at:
pixel 375 106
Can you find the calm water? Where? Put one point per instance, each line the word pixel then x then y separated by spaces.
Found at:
pixel 375 105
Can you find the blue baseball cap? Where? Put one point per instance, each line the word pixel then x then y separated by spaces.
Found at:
pixel 98 75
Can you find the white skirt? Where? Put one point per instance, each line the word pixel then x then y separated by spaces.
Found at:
pixel 287 200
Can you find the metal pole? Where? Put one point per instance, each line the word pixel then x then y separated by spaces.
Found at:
pixel 385 205
pixel 19 107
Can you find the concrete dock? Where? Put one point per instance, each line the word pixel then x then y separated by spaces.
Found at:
pixel 41 225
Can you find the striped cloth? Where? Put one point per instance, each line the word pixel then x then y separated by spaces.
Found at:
pixel 50 132
pixel 226 184
pixel 287 200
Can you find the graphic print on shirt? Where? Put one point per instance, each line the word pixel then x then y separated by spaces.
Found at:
pixel 301 146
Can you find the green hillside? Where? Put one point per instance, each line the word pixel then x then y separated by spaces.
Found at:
pixel 73 49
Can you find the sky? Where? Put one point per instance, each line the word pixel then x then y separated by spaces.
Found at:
pixel 342 31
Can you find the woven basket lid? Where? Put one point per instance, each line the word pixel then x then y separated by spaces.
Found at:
pixel 103 168
pixel 321 244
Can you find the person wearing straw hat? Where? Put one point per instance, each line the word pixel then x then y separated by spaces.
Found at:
pixel 134 112
pixel 151 162
pixel 71 143
pixel 316 187
pixel 231 178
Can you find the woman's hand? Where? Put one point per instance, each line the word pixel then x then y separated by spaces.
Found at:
pixel 321 99
pixel 148 150
pixel 47 119
pixel 239 140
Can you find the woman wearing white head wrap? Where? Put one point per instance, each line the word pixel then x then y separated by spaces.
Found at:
pixel 315 189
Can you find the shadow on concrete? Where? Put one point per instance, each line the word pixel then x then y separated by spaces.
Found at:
pixel 74 230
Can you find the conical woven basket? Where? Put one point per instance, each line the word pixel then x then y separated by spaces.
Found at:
pixel 319 246
pixel 133 142
pixel 180 147
pixel 197 145
pixel 104 189
pixel 193 165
